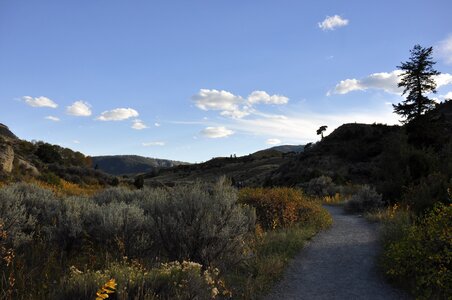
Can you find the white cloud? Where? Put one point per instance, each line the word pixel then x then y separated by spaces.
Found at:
pixel 217 100
pixel 443 79
pixel 138 125
pixel 273 141
pixel 382 81
pixel 52 118
pixel 446 96
pixel 234 106
pixel 79 108
pixel 157 124
pixel 330 23
pixel 263 97
pixel 118 114
pixel 151 144
pixel 216 132
pixel 76 141
pixel 302 127
pixel 444 50
pixel 39 101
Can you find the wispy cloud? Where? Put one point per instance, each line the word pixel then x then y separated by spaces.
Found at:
pixel 157 124
pixel 39 101
pixel 52 118
pixel 79 108
pixel 444 49
pixel 151 144
pixel 273 141
pixel 138 125
pixel 216 132
pixel 118 114
pixel 381 81
pixel 331 23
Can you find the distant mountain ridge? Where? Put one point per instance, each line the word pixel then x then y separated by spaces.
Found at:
pixel 131 164
pixel 288 148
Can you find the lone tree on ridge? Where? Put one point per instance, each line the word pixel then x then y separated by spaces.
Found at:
pixel 417 79
pixel 321 130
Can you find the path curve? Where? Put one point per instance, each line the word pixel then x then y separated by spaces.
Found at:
pixel 339 263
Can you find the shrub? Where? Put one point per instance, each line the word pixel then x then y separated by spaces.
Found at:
pixel 419 255
pixel 186 280
pixel 365 200
pixel 14 217
pixel 283 207
pixel 427 193
pixel 200 224
pixel 321 186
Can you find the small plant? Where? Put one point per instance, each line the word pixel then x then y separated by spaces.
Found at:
pixel 108 288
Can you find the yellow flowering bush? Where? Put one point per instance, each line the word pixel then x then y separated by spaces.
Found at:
pixel 421 253
pixel 284 207
pixel 174 280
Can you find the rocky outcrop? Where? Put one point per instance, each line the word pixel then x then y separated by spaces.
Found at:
pixel 5 132
pixel 6 158
pixel 27 167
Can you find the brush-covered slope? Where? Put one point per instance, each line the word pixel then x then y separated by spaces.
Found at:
pixel 20 159
pixel 249 170
pixel 131 164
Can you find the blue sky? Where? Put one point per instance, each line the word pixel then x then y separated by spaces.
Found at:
pixel 191 80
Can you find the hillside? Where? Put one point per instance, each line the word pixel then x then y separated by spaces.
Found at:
pixel 249 170
pixel 22 160
pixel 131 164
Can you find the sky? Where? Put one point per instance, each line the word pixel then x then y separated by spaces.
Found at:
pixel 192 80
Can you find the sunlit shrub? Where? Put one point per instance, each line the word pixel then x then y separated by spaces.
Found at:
pixel 284 207
pixel 365 200
pixel 419 255
pixel 186 280
pixel 200 224
pixel 14 217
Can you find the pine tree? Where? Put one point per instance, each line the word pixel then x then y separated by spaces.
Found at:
pixel 417 80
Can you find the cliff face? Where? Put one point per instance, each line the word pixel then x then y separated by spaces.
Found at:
pixel 5 132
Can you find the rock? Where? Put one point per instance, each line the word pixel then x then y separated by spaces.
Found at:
pixel 27 167
pixel 6 158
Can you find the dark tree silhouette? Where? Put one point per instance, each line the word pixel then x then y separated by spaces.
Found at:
pixel 417 80
pixel 321 130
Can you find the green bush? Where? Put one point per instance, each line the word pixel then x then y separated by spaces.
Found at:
pixel 186 280
pixel 365 200
pixel 419 255
pixel 284 207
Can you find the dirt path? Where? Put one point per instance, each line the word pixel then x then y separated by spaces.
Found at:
pixel 339 263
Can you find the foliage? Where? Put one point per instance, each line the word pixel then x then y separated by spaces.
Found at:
pixel 108 288
pixel 201 224
pixel 321 130
pixel 419 254
pixel 14 217
pixel 139 182
pixel 429 191
pixel 321 186
pixel 417 80
pixel 283 207
pixel 365 200
pixel 174 280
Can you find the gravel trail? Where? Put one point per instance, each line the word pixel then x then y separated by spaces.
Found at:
pixel 339 263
